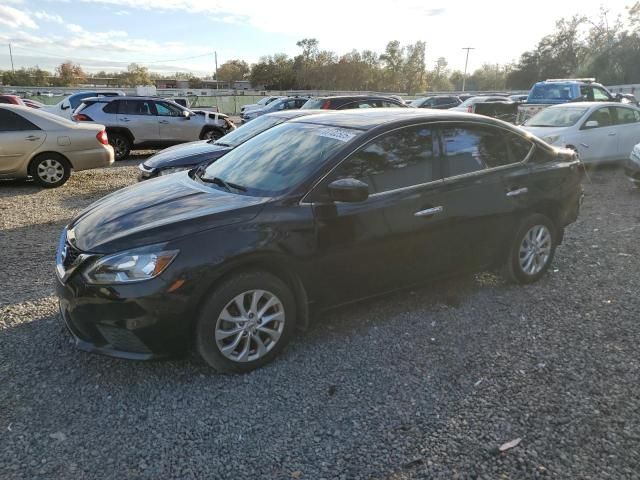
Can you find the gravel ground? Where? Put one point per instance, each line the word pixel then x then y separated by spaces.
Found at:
pixel 423 384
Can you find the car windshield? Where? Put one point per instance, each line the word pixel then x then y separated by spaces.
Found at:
pixel 313 104
pixel 263 101
pixel 551 91
pixel 277 160
pixel 249 130
pixel 557 117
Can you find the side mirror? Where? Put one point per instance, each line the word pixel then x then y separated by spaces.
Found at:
pixel 348 190
pixel 186 114
pixel 591 124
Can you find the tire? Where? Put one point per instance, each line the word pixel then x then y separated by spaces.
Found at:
pixel 50 170
pixel 242 338
pixel 121 145
pixel 211 134
pixel 528 261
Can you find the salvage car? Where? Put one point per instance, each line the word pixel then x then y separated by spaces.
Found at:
pixel 190 155
pixel 46 147
pixel 439 102
pixel 312 213
pixel 287 103
pixel 599 132
pixel 348 102
pixel 150 122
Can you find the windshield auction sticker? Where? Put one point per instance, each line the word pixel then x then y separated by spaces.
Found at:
pixel 341 134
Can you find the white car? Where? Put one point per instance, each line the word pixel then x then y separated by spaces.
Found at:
pixel 598 131
pixel 65 107
pixel 262 103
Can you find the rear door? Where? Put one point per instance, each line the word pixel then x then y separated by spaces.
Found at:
pixel 485 184
pixel 174 126
pixel 19 138
pixel 138 116
pixel 627 121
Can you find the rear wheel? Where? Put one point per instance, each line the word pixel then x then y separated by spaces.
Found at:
pixel 211 134
pixel 50 170
pixel 246 322
pixel 121 145
pixel 532 249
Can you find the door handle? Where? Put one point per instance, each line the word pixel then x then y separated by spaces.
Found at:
pixel 125 119
pixel 163 121
pixel 32 138
pixel 429 212
pixel 612 134
pixel 584 145
pixel 517 191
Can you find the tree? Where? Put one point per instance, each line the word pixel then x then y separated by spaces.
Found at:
pixel 233 70
pixel 136 75
pixel 68 74
pixel 393 60
pixel 413 70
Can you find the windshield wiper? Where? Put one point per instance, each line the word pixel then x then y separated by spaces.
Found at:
pixel 222 183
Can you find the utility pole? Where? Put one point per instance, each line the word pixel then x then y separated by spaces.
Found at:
pixel 497 72
pixel 464 78
pixel 11 55
pixel 215 55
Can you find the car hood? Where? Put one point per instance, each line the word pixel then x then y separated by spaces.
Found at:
pixel 187 154
pixel 157 211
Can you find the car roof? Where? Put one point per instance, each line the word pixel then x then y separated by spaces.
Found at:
pixel 355 97
pixel 289 114
pixel 371 118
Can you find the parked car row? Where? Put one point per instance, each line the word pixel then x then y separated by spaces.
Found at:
pixel 303 211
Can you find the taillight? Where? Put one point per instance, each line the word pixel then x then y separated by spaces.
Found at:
pixel 469 109
pixel 81 117
pixel 326 105
pixel 102 137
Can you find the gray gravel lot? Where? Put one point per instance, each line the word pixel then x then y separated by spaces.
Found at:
pixel 422 384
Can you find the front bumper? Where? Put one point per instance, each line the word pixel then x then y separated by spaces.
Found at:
pixel 137 322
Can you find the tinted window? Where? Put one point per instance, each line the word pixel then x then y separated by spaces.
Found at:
pixel 395 160
pixel 443 101
pixel 111 107
pixel 277 160
pixel 626 115
pixel 469 149
pixel 315 103
pixel 386 104
pixel 135 107
pixel 12 122
pixel 602 116
pixel 76 100
pixel 4 100
pixel 168 110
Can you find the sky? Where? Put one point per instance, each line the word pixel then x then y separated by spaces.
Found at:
pixel 182 35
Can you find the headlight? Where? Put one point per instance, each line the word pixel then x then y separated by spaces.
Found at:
pixel 134 265
pixel 169 171
pixel 551 139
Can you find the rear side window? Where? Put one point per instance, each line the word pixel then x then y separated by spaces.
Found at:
pixel 4 100
pixel 111 107
pixel 399 159
pixel 12 122
pixel 386 104
pixel 626 115
pixel 135 107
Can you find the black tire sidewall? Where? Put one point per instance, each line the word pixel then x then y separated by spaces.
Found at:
pixel 220 297
pixel 515 272
pixel 33 169
pixel 112 137
pixel 216 134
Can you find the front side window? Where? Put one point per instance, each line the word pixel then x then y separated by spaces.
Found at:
pixel 168 110
pixel 471 149
pixel 599 95
pixel 12 122
pixel 602 116
pixel 399 159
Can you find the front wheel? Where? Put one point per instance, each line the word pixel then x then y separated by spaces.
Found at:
pixel 246 322
pixel 532 249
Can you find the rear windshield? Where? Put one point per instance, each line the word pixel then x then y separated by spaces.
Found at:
pixel 279 159
pixel 557 117
pixel 550 91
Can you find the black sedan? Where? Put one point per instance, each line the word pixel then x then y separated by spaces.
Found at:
pixel 189 155
pixel 312 213
pixel 349 102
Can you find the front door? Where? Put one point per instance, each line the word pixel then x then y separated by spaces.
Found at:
pixel 174 126
pixel 391 239
pixel 19 138
pixel 597 139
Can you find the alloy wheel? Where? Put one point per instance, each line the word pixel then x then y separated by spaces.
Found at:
pixel 119 146
pixel 535 249
pixel 250 325
pixel 50 170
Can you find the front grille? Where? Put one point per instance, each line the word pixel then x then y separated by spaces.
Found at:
pixel 122 339
pixel 71 256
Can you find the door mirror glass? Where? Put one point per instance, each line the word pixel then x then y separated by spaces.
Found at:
pixel 348 190
pixel 591 124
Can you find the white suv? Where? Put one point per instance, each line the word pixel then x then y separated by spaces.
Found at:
pixel 150 122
